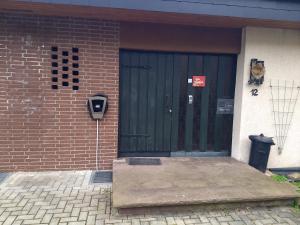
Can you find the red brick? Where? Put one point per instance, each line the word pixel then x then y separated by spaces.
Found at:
pixel 45 129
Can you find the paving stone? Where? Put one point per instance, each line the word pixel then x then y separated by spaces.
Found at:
pixel 68 219
pixel 25 217
pixel 30 222
pixel 214 221
pixel 179 222
pixel 136 222
pixel 101 222
pixel 4 216
pixel 9 220
pixel 237 223
pixel 191 221
pixel 77 223
pixel 170 220
pixel 203 219
pixel 91 220
pixel 68 208
pixel 40 214
pixel 145 223
pixel 54 221
pixel 17 222
pixel 61 215
pixel 47 218
pixel 224 218
pixel 83 216
pixel 67 198
pixel 75 212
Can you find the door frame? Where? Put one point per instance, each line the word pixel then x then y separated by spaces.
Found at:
pixel 171 153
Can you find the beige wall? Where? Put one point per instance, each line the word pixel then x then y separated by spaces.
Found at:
pixel 280 49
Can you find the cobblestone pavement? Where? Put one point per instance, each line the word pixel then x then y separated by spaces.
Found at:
pixel 68 198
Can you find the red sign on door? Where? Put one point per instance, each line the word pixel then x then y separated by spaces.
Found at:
pixel 199 81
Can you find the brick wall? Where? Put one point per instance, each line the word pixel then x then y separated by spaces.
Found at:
pixel 46 129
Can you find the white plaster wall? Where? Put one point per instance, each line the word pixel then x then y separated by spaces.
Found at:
pixel 280 49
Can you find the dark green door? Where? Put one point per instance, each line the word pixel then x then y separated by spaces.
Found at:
pixel 162 114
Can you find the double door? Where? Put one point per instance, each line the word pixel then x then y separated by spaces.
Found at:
pixel 162 113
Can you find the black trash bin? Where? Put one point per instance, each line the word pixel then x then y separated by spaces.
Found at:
pixel 260 150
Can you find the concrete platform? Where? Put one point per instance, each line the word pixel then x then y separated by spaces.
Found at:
pixel 187 181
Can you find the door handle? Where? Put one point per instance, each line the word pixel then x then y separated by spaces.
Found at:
pixel 190 99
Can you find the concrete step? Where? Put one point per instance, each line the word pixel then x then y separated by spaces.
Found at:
pixel 214 181
pixel 152 210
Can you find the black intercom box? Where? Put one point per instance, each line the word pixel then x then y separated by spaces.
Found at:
pixel 97 106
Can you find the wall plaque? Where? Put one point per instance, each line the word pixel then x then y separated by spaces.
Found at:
pixel 225 106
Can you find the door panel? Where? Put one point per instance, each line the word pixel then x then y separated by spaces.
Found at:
pixel 145 90
pixel 211 68
pixel 142 104
pixel 179 79
pixel 155 114
pixel 151 101
pixel 210 71
pixel 182 102
pixel 225 89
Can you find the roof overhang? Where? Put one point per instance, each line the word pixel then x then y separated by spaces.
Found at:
pixel 190 12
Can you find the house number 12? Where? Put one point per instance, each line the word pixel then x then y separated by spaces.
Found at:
pixel 254 92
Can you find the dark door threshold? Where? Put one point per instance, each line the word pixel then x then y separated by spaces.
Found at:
pixel 174 154
pixel 144 161
pixel 144 154
pixel 198 154
pixel 3 176
pixel 99 177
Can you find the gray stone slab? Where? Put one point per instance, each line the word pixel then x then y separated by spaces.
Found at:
pixel 102 177
pixel 183 181
pixel 3 176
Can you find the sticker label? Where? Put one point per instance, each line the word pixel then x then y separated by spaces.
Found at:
pixel 199 81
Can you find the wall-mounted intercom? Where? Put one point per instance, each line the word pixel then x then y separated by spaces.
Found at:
pixel 97 106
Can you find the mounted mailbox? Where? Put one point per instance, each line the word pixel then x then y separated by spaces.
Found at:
pixel 97 106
